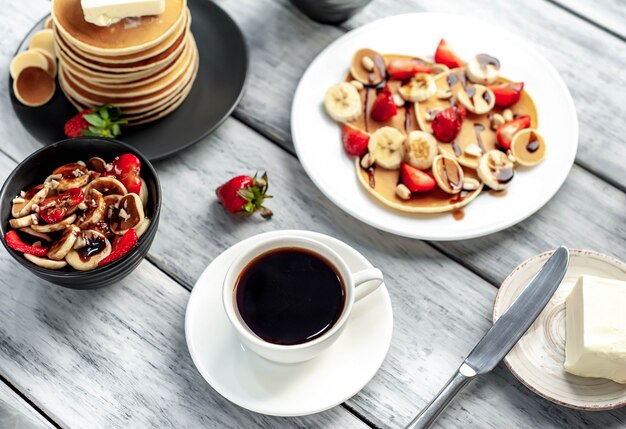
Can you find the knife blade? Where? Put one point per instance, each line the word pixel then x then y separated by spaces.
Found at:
pixel 502 336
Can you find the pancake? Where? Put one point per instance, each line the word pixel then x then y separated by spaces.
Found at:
pixel 435 201
pixel 83 96
pixel 180 31
pixel 79 58
pixel 473 125
pixel 129 36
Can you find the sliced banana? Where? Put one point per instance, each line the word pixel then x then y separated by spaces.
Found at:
pixel 72 176
pixel 27 59
pixel 106 186
pixel 40 235
pixel 387 146
pixel 24 221
pixel 420 88
pixel 95 210
pixel 420 149
pixel 142 227
pixel 53 227
pixel 448 174
pixel 343 102
pixel 43 39
pixel 94 247
pixel 128 215
pixel 528 147
pixel 45 262
pixel 63 245
pixel 39 196
pixel 476 98
pixel 483 69
pixel 496 170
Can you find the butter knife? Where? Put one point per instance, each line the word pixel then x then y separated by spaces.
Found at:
pixel 502 336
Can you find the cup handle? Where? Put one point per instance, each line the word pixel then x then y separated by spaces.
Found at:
pixel 366 282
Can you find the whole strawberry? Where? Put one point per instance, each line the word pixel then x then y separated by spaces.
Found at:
pixel 447 123
pixel 102 121
pixel 243 195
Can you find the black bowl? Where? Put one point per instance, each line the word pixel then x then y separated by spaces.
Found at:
pixel 34 170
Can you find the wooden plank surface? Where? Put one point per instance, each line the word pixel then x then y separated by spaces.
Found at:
pixel 609 14
pixel 440 308
pixel 16 413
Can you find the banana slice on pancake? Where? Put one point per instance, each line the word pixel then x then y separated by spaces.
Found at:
pixel 386 144
pixel 483 69
pixel 63 245
pixel 496 170
pixel 90 248
pixel 420 149
pixel 476 98
pixel 420 88
pixel 343 102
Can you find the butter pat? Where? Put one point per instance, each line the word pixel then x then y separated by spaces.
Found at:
pixel 107 12
pixel 595 329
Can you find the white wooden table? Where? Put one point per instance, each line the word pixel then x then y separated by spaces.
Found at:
pixel 117 358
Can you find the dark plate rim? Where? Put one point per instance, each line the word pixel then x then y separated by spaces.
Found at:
pixel 119 264
pixel 246 53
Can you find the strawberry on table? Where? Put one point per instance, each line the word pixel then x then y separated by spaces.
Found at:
pixel 102 121
pixel 406 68
pixel 415 179
pixel 354 140
pixel 384 107
pixel 243 195
pixel 127 169
pixel 506 131
pixel 508 93
pixel 444 55
pixel 15 242
pixel 447 123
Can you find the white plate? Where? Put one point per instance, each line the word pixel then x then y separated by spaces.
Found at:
pixel 537 359
pixel 317 138
pixel 265 387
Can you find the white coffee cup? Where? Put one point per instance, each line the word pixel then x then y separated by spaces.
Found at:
pixel 356 286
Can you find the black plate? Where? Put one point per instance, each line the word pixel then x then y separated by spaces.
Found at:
pixel 215 93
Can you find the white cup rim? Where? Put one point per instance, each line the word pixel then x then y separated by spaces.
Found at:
pixel 277 243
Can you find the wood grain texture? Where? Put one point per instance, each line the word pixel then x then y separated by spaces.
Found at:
pixel 610 14
pixel 440 308
pixel 16 413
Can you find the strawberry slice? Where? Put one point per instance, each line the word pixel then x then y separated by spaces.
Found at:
pixel 444 55
pixel 415 179
pixel 354 141
pixel 384 107
pixel 54 209
pixel 506 131
pixel 124 245
pixel 126 168
pixel 15 242
pixel 406 68
pixel 507 94
pixel 447 123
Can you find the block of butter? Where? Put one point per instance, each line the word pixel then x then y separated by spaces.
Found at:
pixel 595 329
pixel 107 12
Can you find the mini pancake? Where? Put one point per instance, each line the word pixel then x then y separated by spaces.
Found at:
pixel 179 33
pixel 474 126
pixel 23 60
pixel 44 40
pixel 85 97
pixel 128 36
pixel 435 201
pixel 48 22
pixel 52 62
pixel 34 86
pixel 113 67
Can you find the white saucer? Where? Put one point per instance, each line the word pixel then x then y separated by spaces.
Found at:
pixel 265 387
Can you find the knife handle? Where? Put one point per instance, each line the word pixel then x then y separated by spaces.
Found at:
pixel 432 411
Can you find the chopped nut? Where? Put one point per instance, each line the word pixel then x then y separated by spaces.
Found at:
pixel 358 85
pixel 443 94
pixel 507 115
pixel 473 150
pixel 82 163
pixel 18 200
pixel 470 184
pixel 399 101
pixel 403 192
pixel 82 206
pixel 496 120
pixel 368 160
pixel 367 63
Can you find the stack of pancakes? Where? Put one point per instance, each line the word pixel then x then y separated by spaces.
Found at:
pixel 143 65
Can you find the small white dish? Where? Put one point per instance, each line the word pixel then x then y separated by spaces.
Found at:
pixel 254 383
pixel 537 359
pixel 317 138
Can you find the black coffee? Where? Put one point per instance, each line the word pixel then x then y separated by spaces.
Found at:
pixel 289 296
